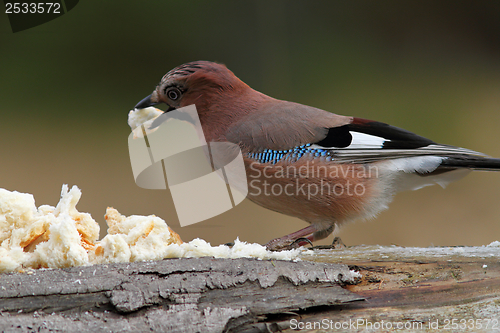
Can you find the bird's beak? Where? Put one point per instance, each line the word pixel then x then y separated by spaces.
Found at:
pixel 146 102
pixel 150 101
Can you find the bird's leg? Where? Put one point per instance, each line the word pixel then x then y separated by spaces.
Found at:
pixel 312 233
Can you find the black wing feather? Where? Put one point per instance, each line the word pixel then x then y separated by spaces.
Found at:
pixel 399 143
pixel 395 138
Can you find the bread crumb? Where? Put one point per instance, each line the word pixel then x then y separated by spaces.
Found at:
pixel 134 238
pixel 57 237
pixel 146 116
pixel 51 237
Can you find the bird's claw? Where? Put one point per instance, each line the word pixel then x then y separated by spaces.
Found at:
pixel 337 244
pixel 284 244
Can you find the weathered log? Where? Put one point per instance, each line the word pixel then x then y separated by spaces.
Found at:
pixel 173 295
pixel 454 289
pixel 406 289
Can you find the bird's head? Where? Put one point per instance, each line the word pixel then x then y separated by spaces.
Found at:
pixel 197 82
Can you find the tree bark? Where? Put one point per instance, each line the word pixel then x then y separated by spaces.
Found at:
pixel 172 295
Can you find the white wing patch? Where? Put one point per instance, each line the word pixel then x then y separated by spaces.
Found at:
pixel 362 140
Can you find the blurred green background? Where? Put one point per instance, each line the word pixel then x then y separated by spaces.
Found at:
pixel 432 67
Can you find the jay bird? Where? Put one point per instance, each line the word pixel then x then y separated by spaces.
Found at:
pixel 323 168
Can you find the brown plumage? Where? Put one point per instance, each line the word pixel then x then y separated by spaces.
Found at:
pixel 305 162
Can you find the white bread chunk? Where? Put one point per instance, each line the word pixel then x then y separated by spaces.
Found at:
pixel 16 212
pixel 134 238
pixel 138 117
pixel 50 237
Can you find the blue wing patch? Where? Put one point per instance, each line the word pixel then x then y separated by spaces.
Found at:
pixel 290 155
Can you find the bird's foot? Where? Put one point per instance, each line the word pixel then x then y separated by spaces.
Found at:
pixel 284 244
pixel 337 244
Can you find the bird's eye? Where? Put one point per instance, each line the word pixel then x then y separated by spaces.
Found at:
pixel 173 93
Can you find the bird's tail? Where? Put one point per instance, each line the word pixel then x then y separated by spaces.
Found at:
pixel 472 162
